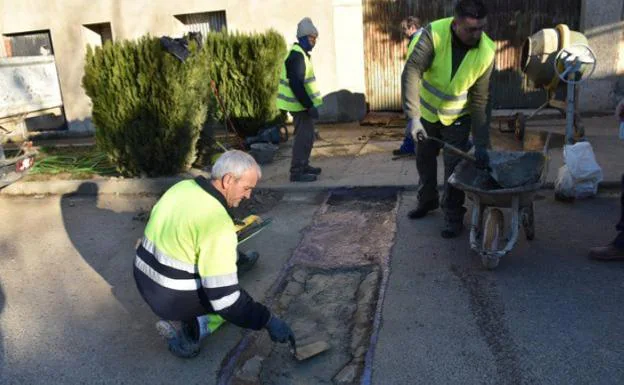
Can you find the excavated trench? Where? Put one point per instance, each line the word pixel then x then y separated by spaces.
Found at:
pixel 330 290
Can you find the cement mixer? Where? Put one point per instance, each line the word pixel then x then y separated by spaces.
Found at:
pixel 558 60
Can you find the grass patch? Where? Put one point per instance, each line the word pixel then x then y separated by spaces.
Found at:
pixel 74 162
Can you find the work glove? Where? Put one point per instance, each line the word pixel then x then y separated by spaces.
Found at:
pixel 313 112
pixel 482 157
pixel 415 127
pixel 279 330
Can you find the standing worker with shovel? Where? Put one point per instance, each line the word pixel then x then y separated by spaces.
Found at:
pixel 445 87
pixel 298 94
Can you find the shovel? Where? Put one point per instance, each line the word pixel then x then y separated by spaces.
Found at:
pixel 306 351
pixel 506 174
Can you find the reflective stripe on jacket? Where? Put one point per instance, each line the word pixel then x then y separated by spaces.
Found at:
pixel 185 264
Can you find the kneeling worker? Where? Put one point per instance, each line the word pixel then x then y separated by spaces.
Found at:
pixel 186 264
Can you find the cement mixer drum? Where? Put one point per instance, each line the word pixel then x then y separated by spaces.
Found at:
pixel 557 59
pixel 540 51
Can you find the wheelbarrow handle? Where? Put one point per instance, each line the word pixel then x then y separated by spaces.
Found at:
pixel 453 149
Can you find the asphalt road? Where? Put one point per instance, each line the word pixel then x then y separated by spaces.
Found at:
pixel 547 315
pixel 70 314
pixel 69 310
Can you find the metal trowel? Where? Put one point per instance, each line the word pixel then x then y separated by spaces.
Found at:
pixel 250 226
pixel 306 351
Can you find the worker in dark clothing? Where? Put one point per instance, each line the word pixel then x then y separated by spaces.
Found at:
pixel 186 264
pixel 445 88
pixel 615 250
pixel 298 94
pixel 411 30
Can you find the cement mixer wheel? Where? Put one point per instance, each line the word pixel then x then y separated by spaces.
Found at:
pixel 519 126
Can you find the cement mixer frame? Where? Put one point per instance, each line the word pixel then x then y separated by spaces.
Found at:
pixel 557 60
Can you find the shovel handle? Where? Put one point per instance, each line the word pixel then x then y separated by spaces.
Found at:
pixel 454 149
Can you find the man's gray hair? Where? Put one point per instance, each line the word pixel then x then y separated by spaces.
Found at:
pixel 234 162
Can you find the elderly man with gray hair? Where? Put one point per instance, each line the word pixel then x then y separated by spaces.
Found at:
pixel 186 264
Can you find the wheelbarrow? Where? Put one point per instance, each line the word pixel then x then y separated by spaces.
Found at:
pixel 487 219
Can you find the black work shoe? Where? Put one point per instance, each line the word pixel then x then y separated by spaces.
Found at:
pixel 422 209
pixel 607 253
pixel 397 152
pixel 246 261
pixel 302 177
pixel 180 344
pixel 452 230
pixel 312 170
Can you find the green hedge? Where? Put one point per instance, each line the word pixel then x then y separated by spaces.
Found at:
pixel 246 70
pixel 148 107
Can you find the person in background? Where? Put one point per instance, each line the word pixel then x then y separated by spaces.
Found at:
pixel 298 94
pixel 411 30
pixel 614 251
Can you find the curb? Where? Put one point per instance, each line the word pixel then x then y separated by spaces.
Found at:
pixel 157 186
pixel 145 186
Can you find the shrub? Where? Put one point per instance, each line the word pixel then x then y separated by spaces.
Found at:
pixel 148 107
pixel 246 69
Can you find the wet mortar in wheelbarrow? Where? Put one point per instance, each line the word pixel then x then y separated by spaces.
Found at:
pixel 524 170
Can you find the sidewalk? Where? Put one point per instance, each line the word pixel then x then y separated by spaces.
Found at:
pixel 354 155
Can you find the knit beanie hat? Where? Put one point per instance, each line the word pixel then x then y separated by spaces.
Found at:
pixel 305 28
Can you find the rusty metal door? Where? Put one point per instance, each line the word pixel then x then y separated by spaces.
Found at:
pixel 510 22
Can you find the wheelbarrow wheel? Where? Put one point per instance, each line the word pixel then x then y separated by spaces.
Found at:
pixel 528 222
pixel 492 238
pixel 490 262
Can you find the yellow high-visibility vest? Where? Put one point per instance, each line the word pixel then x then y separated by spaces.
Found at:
pixel 286 99
pixel 442 98
pixel 197 237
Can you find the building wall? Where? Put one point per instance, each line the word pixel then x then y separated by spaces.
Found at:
pixel 338 57
pixel 602 22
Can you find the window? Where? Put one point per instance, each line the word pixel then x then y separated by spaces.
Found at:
pixel 204 22
pixel 35 43
pixel 97 34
